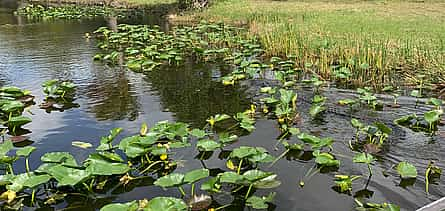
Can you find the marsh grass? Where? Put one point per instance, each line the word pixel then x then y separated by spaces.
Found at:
pixel 380 41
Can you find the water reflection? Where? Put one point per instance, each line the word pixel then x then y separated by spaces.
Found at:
pixel 111 96
pixel 192 93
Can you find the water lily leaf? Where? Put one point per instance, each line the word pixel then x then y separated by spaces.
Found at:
pixel 286 96
pixel 111 156
pixel 363 158
pixel 255 175
pixel 310 139
pixel 382 127
pixel 25 151
pixel 166 204
pixel 6 179
pixel 432 116
pixel 356 123
pixel 210 185
pixel 267 182
pixel 230 177
pixel 325 159
pixel 322 142
pixel 195 175
pixel 207 145
pixel 406 120
pixel 406 170
pixel 227 138
pixel 5 147
pixel 35 180
pixel 68 176
pixel 80 144
pixel 346 102
pixel 247 126
pixel 316 109
pixel 416 93
pixel 260 202
pixel 12 106
pixel 198 133
pixel 132 149
pixel 243 152
pixel 59 157
pixel 344 182
pixel 171 180
pixel 435 101
pixel 18 121
pixel 130 206
pixel 97 165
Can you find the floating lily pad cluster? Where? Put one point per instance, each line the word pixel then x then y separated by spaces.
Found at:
pixel 59 95
pixel 144 48
pixel 147 154
pixel 428 123
pixel 66 12
pixel 13 102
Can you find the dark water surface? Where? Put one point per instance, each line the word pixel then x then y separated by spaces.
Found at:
pixel 34 51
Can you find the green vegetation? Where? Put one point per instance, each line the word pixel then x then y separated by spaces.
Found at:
pixel 307 59
pixel 376 41
pixel 13 102
pixel 66 12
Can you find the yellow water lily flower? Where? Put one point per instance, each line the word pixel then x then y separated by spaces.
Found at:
pixel 265 110
pixel 211 121
pixel 164 157
pixel 227 83
pixel 8 195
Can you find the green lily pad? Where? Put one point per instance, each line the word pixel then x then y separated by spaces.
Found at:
pixel 195 175
pixel 363 158
pixel 166 204
pixel 207 145
pixel 130 206
pixel 68 176
pixel 5 147
pixel 260 202
pixel 59 157
pixel 171 180
pixel 406 170
pixel 25 151
pixel 18 121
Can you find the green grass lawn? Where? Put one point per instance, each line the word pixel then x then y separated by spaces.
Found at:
pixel 377 40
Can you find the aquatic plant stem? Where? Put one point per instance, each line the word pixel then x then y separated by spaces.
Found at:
pixel 239 166
pixel 181 190
pixel 193 190
pixel 11 170
pixel 33 194
pixel 427 182
pixel 279 157
pixel 248 191
pixel 151 165
pixel 27 165
pixel 222 207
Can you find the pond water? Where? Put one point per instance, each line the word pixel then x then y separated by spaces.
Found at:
pixel 32 52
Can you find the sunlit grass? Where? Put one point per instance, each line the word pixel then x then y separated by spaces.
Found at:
pixel 389 36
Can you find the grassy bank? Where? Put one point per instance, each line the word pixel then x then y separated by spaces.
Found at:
pixel 377 40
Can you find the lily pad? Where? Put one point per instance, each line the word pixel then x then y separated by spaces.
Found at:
pixel 406 170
